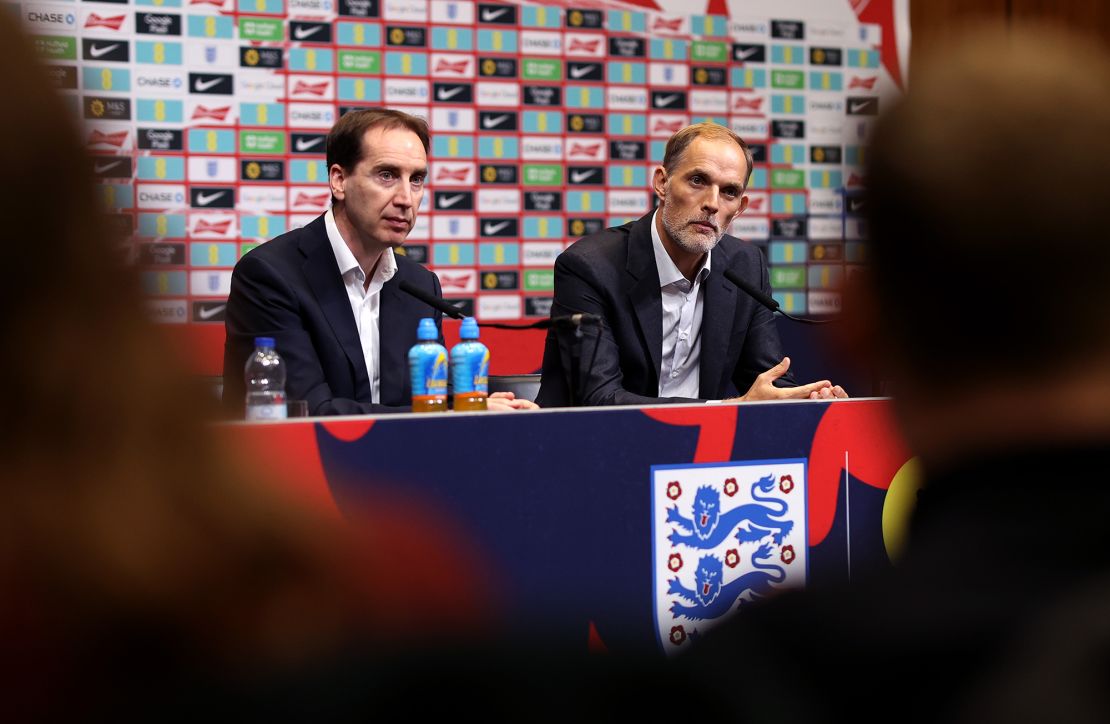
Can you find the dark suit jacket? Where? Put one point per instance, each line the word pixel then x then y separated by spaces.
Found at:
pixel 290 289
pixel 613 274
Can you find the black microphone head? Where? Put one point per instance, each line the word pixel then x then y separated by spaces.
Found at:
pixel 752 291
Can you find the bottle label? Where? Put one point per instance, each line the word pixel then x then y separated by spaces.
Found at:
pixel 266 412
pixel 428 366
pixel 469 368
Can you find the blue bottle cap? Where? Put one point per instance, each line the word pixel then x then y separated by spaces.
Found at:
pixel 264 342
pixel 469 328
pixel 427 329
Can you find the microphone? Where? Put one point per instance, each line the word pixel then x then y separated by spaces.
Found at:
pixel 431 300
pixel 766 299
pixel 572 320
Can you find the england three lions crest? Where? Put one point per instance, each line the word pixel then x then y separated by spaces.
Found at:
pixel 724 535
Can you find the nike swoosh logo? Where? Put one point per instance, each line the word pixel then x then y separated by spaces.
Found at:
pixel 578 177
pixel 857 107
pixel 488 15
pixel 580 71
pixel 448 202
pixel 449 93
pixel 664 101
pixel 96 52
pixel 302 33
pixel 494 122
pixel 102 167
pixel 205 199
pixel 203 85
pixel 303 144
pixel 746 53
pixel 489 229
pixel 855 204
pixel 211 312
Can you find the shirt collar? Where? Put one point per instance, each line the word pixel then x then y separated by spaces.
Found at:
pixel 668 272
pixel 387 266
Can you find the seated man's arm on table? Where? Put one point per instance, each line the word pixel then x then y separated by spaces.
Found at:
pixel 762 370
pixel 262 304
pixel 600 379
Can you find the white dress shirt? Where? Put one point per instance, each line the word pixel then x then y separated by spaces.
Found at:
pixel 365 299
pixel 683 305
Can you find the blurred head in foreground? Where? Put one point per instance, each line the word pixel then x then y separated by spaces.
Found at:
pixel 987 297
pixel 133 554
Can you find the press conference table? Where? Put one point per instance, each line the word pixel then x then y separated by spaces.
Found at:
pixel 644 526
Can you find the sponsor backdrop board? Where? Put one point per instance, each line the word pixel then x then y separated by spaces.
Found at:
pixel 207 120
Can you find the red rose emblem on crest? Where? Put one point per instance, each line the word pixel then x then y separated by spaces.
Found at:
pixel 674 562
pixel 732 558
pixel 674 490
pixel 731 487
pixel 678 635
pixel 787 555
pixel 786 483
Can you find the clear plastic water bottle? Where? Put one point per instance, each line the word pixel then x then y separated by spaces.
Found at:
pixel 470 368
pixel 265 378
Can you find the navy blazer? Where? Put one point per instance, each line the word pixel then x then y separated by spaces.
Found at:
pixel 290 289
pixel 613 274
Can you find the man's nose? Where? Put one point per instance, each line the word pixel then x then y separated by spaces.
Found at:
pixel 404 195
pixel 711 199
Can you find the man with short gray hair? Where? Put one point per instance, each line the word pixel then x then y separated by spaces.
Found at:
pixel 675 330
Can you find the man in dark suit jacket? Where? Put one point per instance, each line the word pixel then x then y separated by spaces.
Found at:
pixel 290 289
pixel 693 337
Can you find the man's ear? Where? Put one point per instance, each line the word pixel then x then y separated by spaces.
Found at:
pixel 742 209
pixel 659 183
pixel 337 179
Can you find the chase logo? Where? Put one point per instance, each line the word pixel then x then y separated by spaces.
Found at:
pixel 116 51
pixel 59 18
pixel 542 95
pixel 723 536
pixel 212 197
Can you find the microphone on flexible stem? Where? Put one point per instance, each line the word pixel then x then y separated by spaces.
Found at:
pixel 568 321
pixel 766 299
